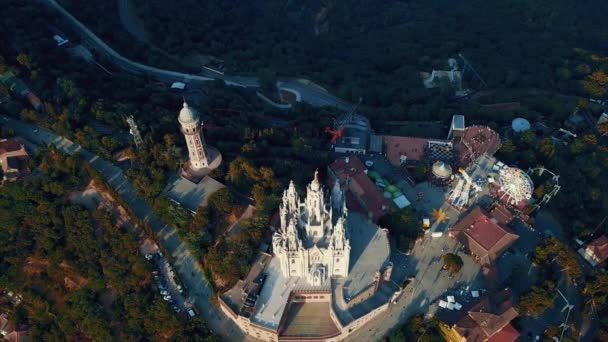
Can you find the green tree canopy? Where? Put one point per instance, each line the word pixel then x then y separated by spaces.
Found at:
pixel 452 263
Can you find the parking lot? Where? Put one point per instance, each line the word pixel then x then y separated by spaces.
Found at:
pixel 167 282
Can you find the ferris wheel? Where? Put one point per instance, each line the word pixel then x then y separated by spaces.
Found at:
pixel 515 185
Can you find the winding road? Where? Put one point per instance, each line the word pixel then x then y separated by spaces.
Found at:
pixel 306 91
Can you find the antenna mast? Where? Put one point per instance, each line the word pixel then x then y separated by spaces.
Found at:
pixel 134 132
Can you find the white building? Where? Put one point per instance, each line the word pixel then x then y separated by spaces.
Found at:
pixel 312 242
pixel 191 128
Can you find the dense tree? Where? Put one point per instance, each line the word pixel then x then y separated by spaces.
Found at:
pixel 63 260
pixel 403 226
pixel 597 290
pixel 553 251
pixel 223 201
pixel 417 329
pixel 547 147
pixel 596 84
pixel 538 300
pixel 452 263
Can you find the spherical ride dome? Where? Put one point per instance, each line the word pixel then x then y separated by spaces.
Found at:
pixel 520 125
pixel 441 170
pixel 515 184
pixel 187 114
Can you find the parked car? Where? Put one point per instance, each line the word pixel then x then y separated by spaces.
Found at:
pixel 164 292
pixel 180 289
pixel 160 254
pixel 148 256
pixel 191 312
pixel 167 298
pixel 178 310
pixel 155 272
pixel 162 287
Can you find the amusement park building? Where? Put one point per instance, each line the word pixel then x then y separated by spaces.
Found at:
pixel 483 235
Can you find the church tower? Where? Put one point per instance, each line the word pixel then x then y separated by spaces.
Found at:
pixel 191 128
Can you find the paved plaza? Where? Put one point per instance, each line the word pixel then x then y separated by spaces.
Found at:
pixel 192 195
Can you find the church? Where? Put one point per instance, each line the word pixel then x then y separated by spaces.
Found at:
pixel 312 241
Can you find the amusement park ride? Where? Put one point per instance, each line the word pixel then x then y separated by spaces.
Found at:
pixel 335 134
pixel 554 189
pixel 340 124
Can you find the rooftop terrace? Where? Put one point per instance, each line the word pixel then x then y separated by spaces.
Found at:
pixel 309 320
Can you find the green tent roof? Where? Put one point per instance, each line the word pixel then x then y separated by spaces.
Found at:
pixel 373 174
pixel 391 188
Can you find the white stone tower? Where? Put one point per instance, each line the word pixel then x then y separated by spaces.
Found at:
pixel 191 128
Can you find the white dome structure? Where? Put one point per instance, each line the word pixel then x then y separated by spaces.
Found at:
pixel 520 125
pixel 187 114
pixel 515 186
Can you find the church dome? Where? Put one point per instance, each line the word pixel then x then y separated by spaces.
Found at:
pixel 187 114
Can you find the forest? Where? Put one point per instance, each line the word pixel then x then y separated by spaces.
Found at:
pixel 79 272
pixel 363 48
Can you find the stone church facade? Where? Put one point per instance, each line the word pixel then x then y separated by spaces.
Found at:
pixel 312 240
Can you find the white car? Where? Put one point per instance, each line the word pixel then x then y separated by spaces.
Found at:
pixel 191 312
pixel 167 298
pixel 148 256
pixel 164 293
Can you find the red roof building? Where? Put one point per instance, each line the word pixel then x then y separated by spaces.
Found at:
pixel 400 150
pixel 360 192
pixel 489 320
pixel 476 140
pixel 483 235
pixel 501 214
pixel 10 331
pixel 597 250
pixel 13 159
